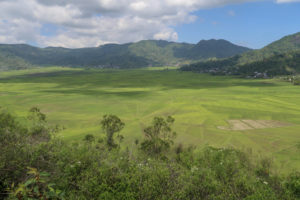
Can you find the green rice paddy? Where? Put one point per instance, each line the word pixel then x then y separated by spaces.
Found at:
pixel 77 99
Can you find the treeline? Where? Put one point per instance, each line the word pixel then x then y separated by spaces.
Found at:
pixel 295 80
pixel 278 64
pixel 36 164
pixel 220 66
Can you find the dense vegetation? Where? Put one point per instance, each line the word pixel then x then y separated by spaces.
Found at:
pixel 220 66
pixel 285 45
pixel 34 164
pixel 131 55
pixel 279 58
pixel 11 62
pixel 212 49
pixel 278 64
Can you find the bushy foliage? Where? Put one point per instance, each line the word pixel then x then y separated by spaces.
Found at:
pixel 89 138
pixel 89 170
pixel 293 184
pixel 36 187
pixel 159 136
pixel 20 146
pixel 296 81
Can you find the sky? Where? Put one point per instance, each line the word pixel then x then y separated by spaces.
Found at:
pixel 90 23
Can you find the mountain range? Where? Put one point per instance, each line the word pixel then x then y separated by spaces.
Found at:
pixel 279 57
pixel 131 55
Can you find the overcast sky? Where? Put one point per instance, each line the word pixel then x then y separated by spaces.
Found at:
pixel 87 23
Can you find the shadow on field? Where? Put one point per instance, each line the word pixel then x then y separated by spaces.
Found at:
pixel 165 80
pixel 89 92
pixel 42 74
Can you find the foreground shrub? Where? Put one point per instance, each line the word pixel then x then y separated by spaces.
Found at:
pixel 36 187
pixel 293 184
pixel 93 170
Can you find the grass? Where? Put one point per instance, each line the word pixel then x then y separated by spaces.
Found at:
pixel 78 98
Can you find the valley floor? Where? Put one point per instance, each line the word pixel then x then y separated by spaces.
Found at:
pixel 200 103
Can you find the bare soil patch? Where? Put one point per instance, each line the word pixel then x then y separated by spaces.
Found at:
pixel 254 123
pixel 248 124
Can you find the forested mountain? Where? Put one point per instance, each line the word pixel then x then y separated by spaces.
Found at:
pixel 212 49
pixel 130 55
pixel 279 57
pixel 287 44
pixel 9 62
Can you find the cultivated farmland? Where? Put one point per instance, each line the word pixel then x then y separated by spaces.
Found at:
pixel 200 103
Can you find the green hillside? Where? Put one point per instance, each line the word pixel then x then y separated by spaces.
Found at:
pixel 278 58
pixel 213 49
pixel 278 64
pixel 286 44
pixel 11 62
pixel 132 55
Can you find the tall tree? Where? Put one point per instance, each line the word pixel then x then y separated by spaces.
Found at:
pixel 111 124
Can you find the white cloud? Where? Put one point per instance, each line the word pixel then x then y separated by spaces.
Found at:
pixel 70 41
pixel 18 31
pixel 166 35
pixel 81 23
pixel 287 1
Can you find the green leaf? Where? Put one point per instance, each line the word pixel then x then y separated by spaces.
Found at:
pixel 29 182
pixel 36 189
pixel 44 174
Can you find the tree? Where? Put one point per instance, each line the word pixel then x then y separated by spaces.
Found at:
pixel 112 124
pixel 38 121
pixel 159 136
pixel 89 138
pixel 37 115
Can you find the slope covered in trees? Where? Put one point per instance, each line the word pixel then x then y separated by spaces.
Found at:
pixel 11 62
pixel 285 45
pixel 279 58
pixel 131 55
pixel 278 64
pixel 212 49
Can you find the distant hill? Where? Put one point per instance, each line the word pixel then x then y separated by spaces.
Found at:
pixel 9 62
pixel 279 57
pixel 212 49
pixel 286 44
pixel 130 55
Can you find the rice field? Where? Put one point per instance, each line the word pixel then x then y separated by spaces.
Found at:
pixel 267 112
